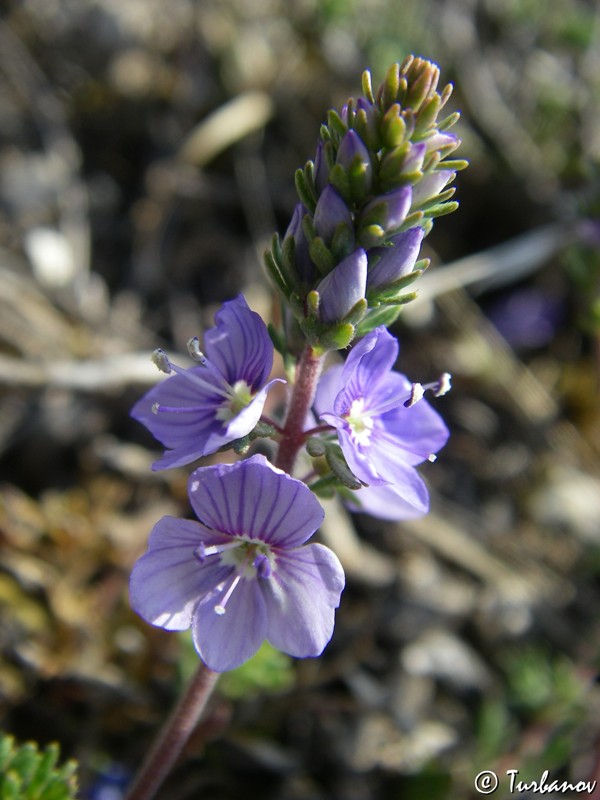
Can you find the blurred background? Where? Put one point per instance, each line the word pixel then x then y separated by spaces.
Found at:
pixel 147 152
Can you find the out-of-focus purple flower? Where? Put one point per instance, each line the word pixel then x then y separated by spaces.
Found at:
pixel 331 212
pixel 389 210
pixel 243 573
pixel 302 259
pixel 343 287
pixel 430 186
pixel 382 439
pixel 198 410
pixel 395 260
pixel 527 317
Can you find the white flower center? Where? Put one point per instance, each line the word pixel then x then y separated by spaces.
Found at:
pixel 361 424
pixel 240 395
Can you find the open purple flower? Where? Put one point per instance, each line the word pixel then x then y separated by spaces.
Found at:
pixel 198 410
pixel 242 574
pixel 382 437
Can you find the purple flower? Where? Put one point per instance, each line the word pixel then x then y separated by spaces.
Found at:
pixel 395 261
pixel 382 439
pixel 343 287
pixel 242 574
pixel 200 409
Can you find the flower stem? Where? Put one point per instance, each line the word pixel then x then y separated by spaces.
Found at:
pixel 303 393
pixel 173 736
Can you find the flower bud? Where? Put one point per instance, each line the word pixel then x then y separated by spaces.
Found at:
pixel 353 156
pixel 344 287
pixel 430 186
pixel 393 262
pixel 386 212
pixel 303 265
pixel 330 213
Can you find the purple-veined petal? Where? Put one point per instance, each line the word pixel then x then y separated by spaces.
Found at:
pixel 254 499
pixel 343 287
pixel 245 421
pixel 384 502
pixel 397 260
pixel 224 641
pixel 167 580
pixel 328 389
pixel 300 597
pixel 366 367
pixel 239 345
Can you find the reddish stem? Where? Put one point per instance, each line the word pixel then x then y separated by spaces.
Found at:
pixel 173 735
pixel 303 393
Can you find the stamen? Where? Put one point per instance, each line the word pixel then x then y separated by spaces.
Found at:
pixel 159 407
pixel 262 565
pixel 161 360
pixel 195 378
pixel 444 384
pixel 193 347
pixel 202 552
pixel 416 393
pixel 220 607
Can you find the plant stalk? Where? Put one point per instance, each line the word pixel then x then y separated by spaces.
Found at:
pixel 173 736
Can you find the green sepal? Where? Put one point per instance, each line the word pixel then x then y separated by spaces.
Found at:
pixel 421 87
pixel 393 127
pixel 342 243
pixel 391 291
pixel 392 163
pixel 324 487
pixel 412 220
pixel 339 467
pixel 275 274
pixel 316 447
pixel 335 123
pixel 312 304
pixel 304 190
pixel 428 114
pixel 382 315
pixel 262 430
pixel 278 340
pixel 339 179
pixel 444 195
pixel 337 337
pixel 390 86
pixel 357 312
pixel 448 121
pixel 367 86
pixel 369 133
pixel 442 209
pixel 321 255
pixel 457 164
pixel 371 236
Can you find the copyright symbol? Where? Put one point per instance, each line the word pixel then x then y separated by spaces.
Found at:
pixel 486 782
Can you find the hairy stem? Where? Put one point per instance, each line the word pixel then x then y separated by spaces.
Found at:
pixel 303 393
pixel 173 736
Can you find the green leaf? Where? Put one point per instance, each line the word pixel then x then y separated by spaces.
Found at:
pixel 383 315
pixel 321 255
pixel 304 190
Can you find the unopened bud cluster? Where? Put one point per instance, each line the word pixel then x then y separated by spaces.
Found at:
pixel 379 178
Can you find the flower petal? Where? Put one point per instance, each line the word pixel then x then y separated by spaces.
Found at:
pixel 239 345
pixel 300 597
pixel 252 498
pixel 167 580
pixel 366 367
pixel 224 641
pixel 384 502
